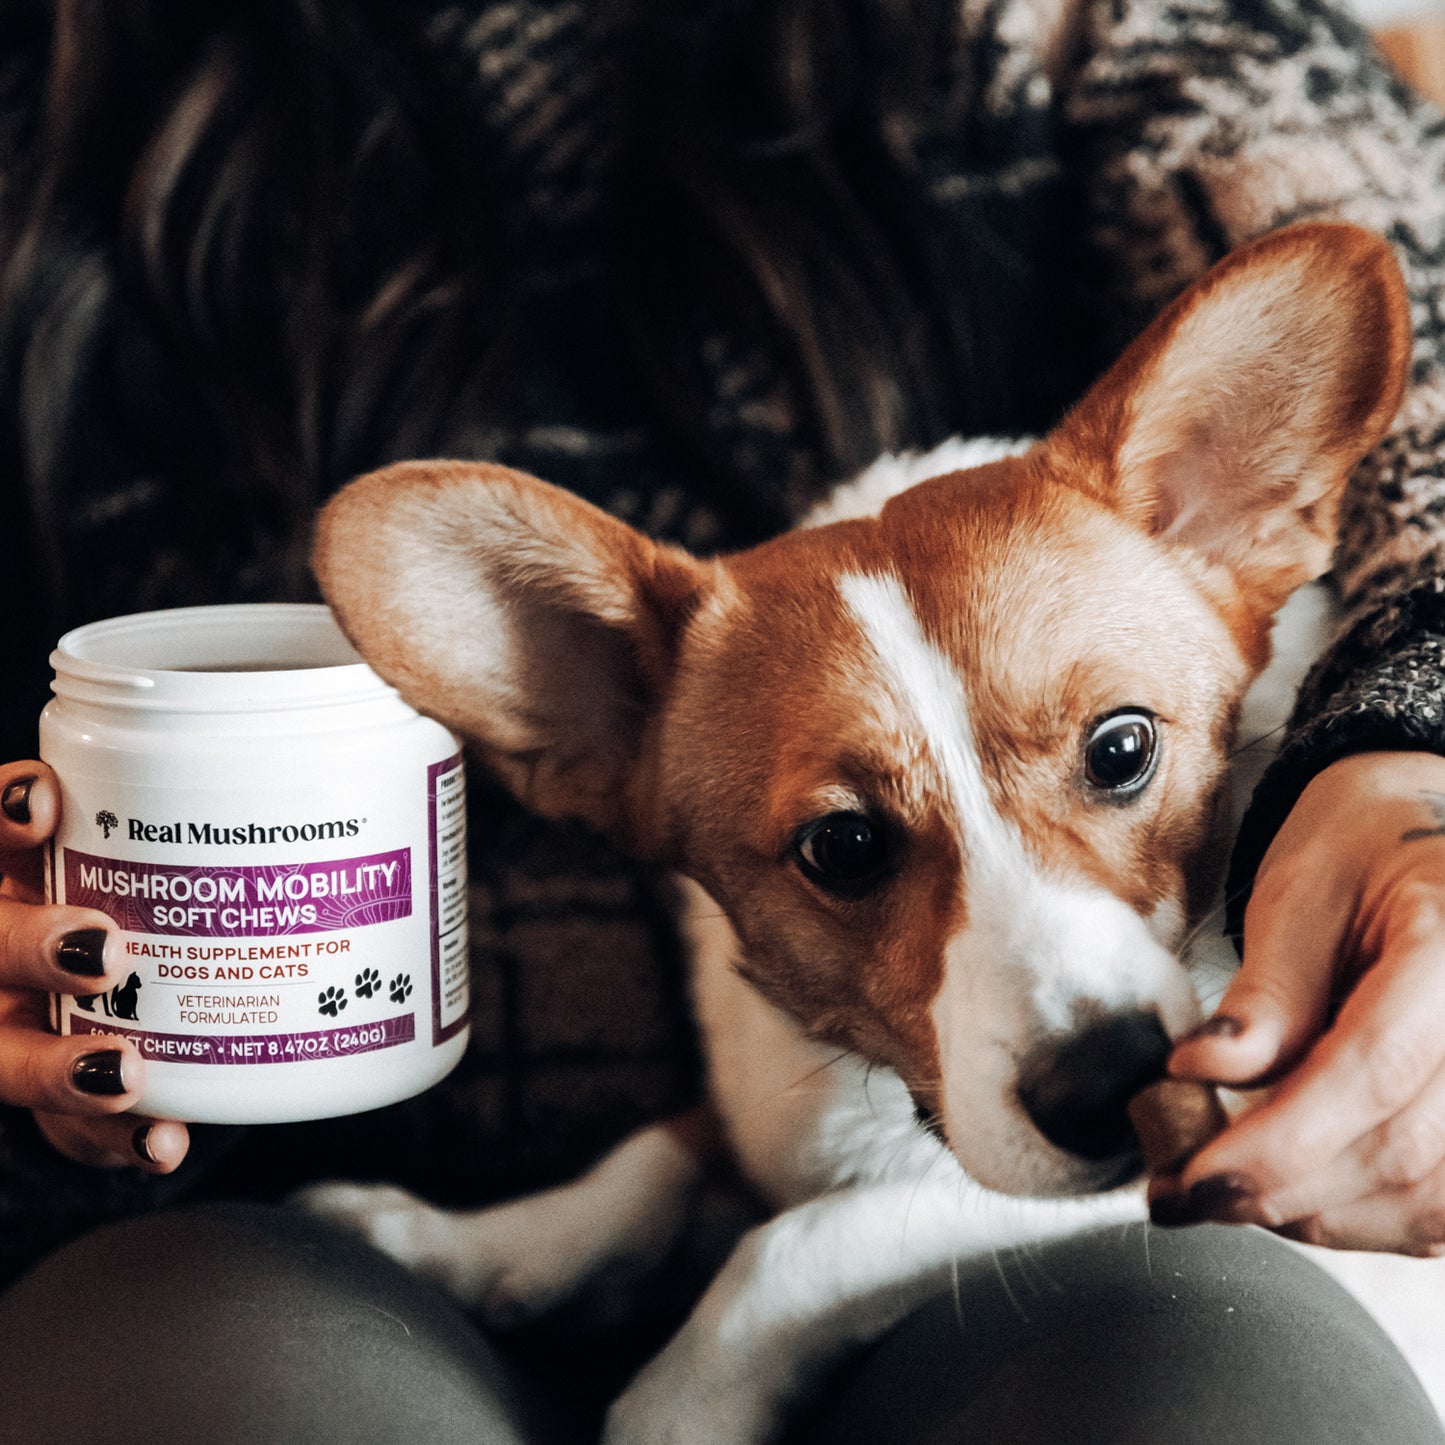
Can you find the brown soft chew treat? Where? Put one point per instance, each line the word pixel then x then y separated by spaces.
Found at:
pixel 1175 1119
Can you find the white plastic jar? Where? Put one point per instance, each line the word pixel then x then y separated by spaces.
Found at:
pixel 282 842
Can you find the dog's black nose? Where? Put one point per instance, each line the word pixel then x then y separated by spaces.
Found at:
pixel 1076 1090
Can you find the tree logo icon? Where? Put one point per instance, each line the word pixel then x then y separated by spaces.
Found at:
pixel 107 820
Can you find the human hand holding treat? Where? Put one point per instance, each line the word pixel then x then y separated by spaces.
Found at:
pixel 79 1087
pixel 1339 1005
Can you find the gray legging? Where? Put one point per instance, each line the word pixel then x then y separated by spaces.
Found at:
pixel 232 1323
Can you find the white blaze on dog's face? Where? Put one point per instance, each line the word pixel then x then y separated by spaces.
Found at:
pixel 955 771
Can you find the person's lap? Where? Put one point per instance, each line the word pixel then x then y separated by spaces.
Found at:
pixel 230 1323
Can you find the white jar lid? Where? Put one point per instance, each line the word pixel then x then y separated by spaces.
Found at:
pixel 245 657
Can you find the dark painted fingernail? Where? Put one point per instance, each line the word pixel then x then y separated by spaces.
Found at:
pixel 140 1141
pixel 1172 1211
pixel 15 800
pixel 1217 1198
pixel 98 1073
pixel 1221 1026
pixel 82 951
pixel 1221 1194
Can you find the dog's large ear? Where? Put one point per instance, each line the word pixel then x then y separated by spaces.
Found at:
pixel 1231 424
pixel 519 615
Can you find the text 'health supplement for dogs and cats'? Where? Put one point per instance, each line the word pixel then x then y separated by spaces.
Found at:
pixel 282 841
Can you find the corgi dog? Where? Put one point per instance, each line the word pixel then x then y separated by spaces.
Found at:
pixel 946 773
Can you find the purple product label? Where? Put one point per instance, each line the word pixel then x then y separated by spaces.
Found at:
pixel 259 1048
pixel 265 901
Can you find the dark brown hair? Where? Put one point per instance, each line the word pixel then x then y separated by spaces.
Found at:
pixel 249 249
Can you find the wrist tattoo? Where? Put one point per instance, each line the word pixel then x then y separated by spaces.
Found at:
pixel 1436 804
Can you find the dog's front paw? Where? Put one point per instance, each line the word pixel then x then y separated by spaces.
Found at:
pixel 521 1261
pixel 390 1219
pixel 507 1264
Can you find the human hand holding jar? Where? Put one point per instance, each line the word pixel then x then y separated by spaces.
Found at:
pixel 80 1088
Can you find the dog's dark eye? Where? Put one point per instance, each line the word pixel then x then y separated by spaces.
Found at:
pixel 1121 752
pixel 843 852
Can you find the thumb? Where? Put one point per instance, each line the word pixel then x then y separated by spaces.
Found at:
pixel 1279 1002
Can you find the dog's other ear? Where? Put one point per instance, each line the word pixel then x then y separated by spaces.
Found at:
pixel 1232 423
pixel 517 614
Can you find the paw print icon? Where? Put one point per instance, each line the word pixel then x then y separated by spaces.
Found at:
pixel 331 1001
pixel 401 988
pixel 367 982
